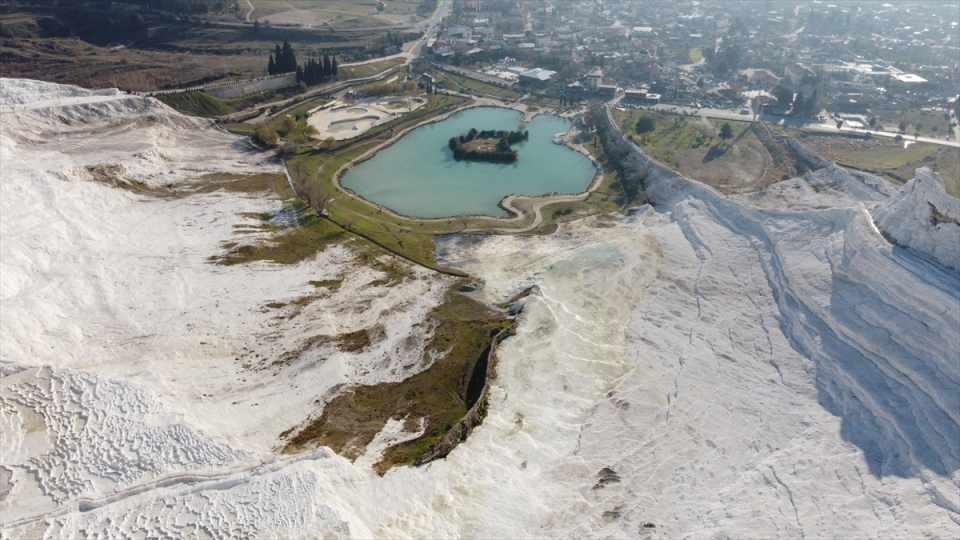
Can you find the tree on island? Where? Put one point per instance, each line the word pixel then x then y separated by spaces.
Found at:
pixel 501 151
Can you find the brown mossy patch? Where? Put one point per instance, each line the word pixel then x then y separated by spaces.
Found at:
pixel 114 175
pixel 329 284
pixel 356 341
pixel 350 342
pixel 463 331
pixel 395 271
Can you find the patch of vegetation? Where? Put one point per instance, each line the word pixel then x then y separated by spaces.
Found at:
pixel 726 131
pixel 291 128
pixel 266 135
pixel 695 55
pixel 437 396
pixel 666 137
pixel 329 284
pixel 732 159
pixel 240 128
pixel 196 103
pixel 289 246
pixel 113 175
pixel 354 341
pixel 645 124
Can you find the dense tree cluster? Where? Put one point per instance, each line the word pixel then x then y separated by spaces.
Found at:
pixel 502 152
pixel 809 101
pixel 283 60
pixel 316 70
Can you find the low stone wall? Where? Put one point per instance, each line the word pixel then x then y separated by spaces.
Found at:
pixel 243 88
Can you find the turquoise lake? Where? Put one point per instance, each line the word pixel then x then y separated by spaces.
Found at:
pixel 418 177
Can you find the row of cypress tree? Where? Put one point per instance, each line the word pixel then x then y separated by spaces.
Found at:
pixel 316 70
pixel 283 60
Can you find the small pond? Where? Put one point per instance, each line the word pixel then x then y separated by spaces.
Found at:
pixel 418 177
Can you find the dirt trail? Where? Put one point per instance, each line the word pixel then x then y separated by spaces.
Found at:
pixel 249 13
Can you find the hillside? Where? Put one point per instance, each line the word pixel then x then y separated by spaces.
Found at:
pixel 775 364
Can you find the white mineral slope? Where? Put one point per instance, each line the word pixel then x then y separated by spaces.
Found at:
pixel 708 369
pixel 126 357
pixel 787 375
pixel 923 217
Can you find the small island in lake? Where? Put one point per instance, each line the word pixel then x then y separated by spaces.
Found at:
pixel 487 145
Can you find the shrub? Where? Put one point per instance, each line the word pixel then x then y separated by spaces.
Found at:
pixel 726 132
pixel 265 135
pixel 645 124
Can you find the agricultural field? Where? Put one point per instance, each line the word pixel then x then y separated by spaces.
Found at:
pixel 339 13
